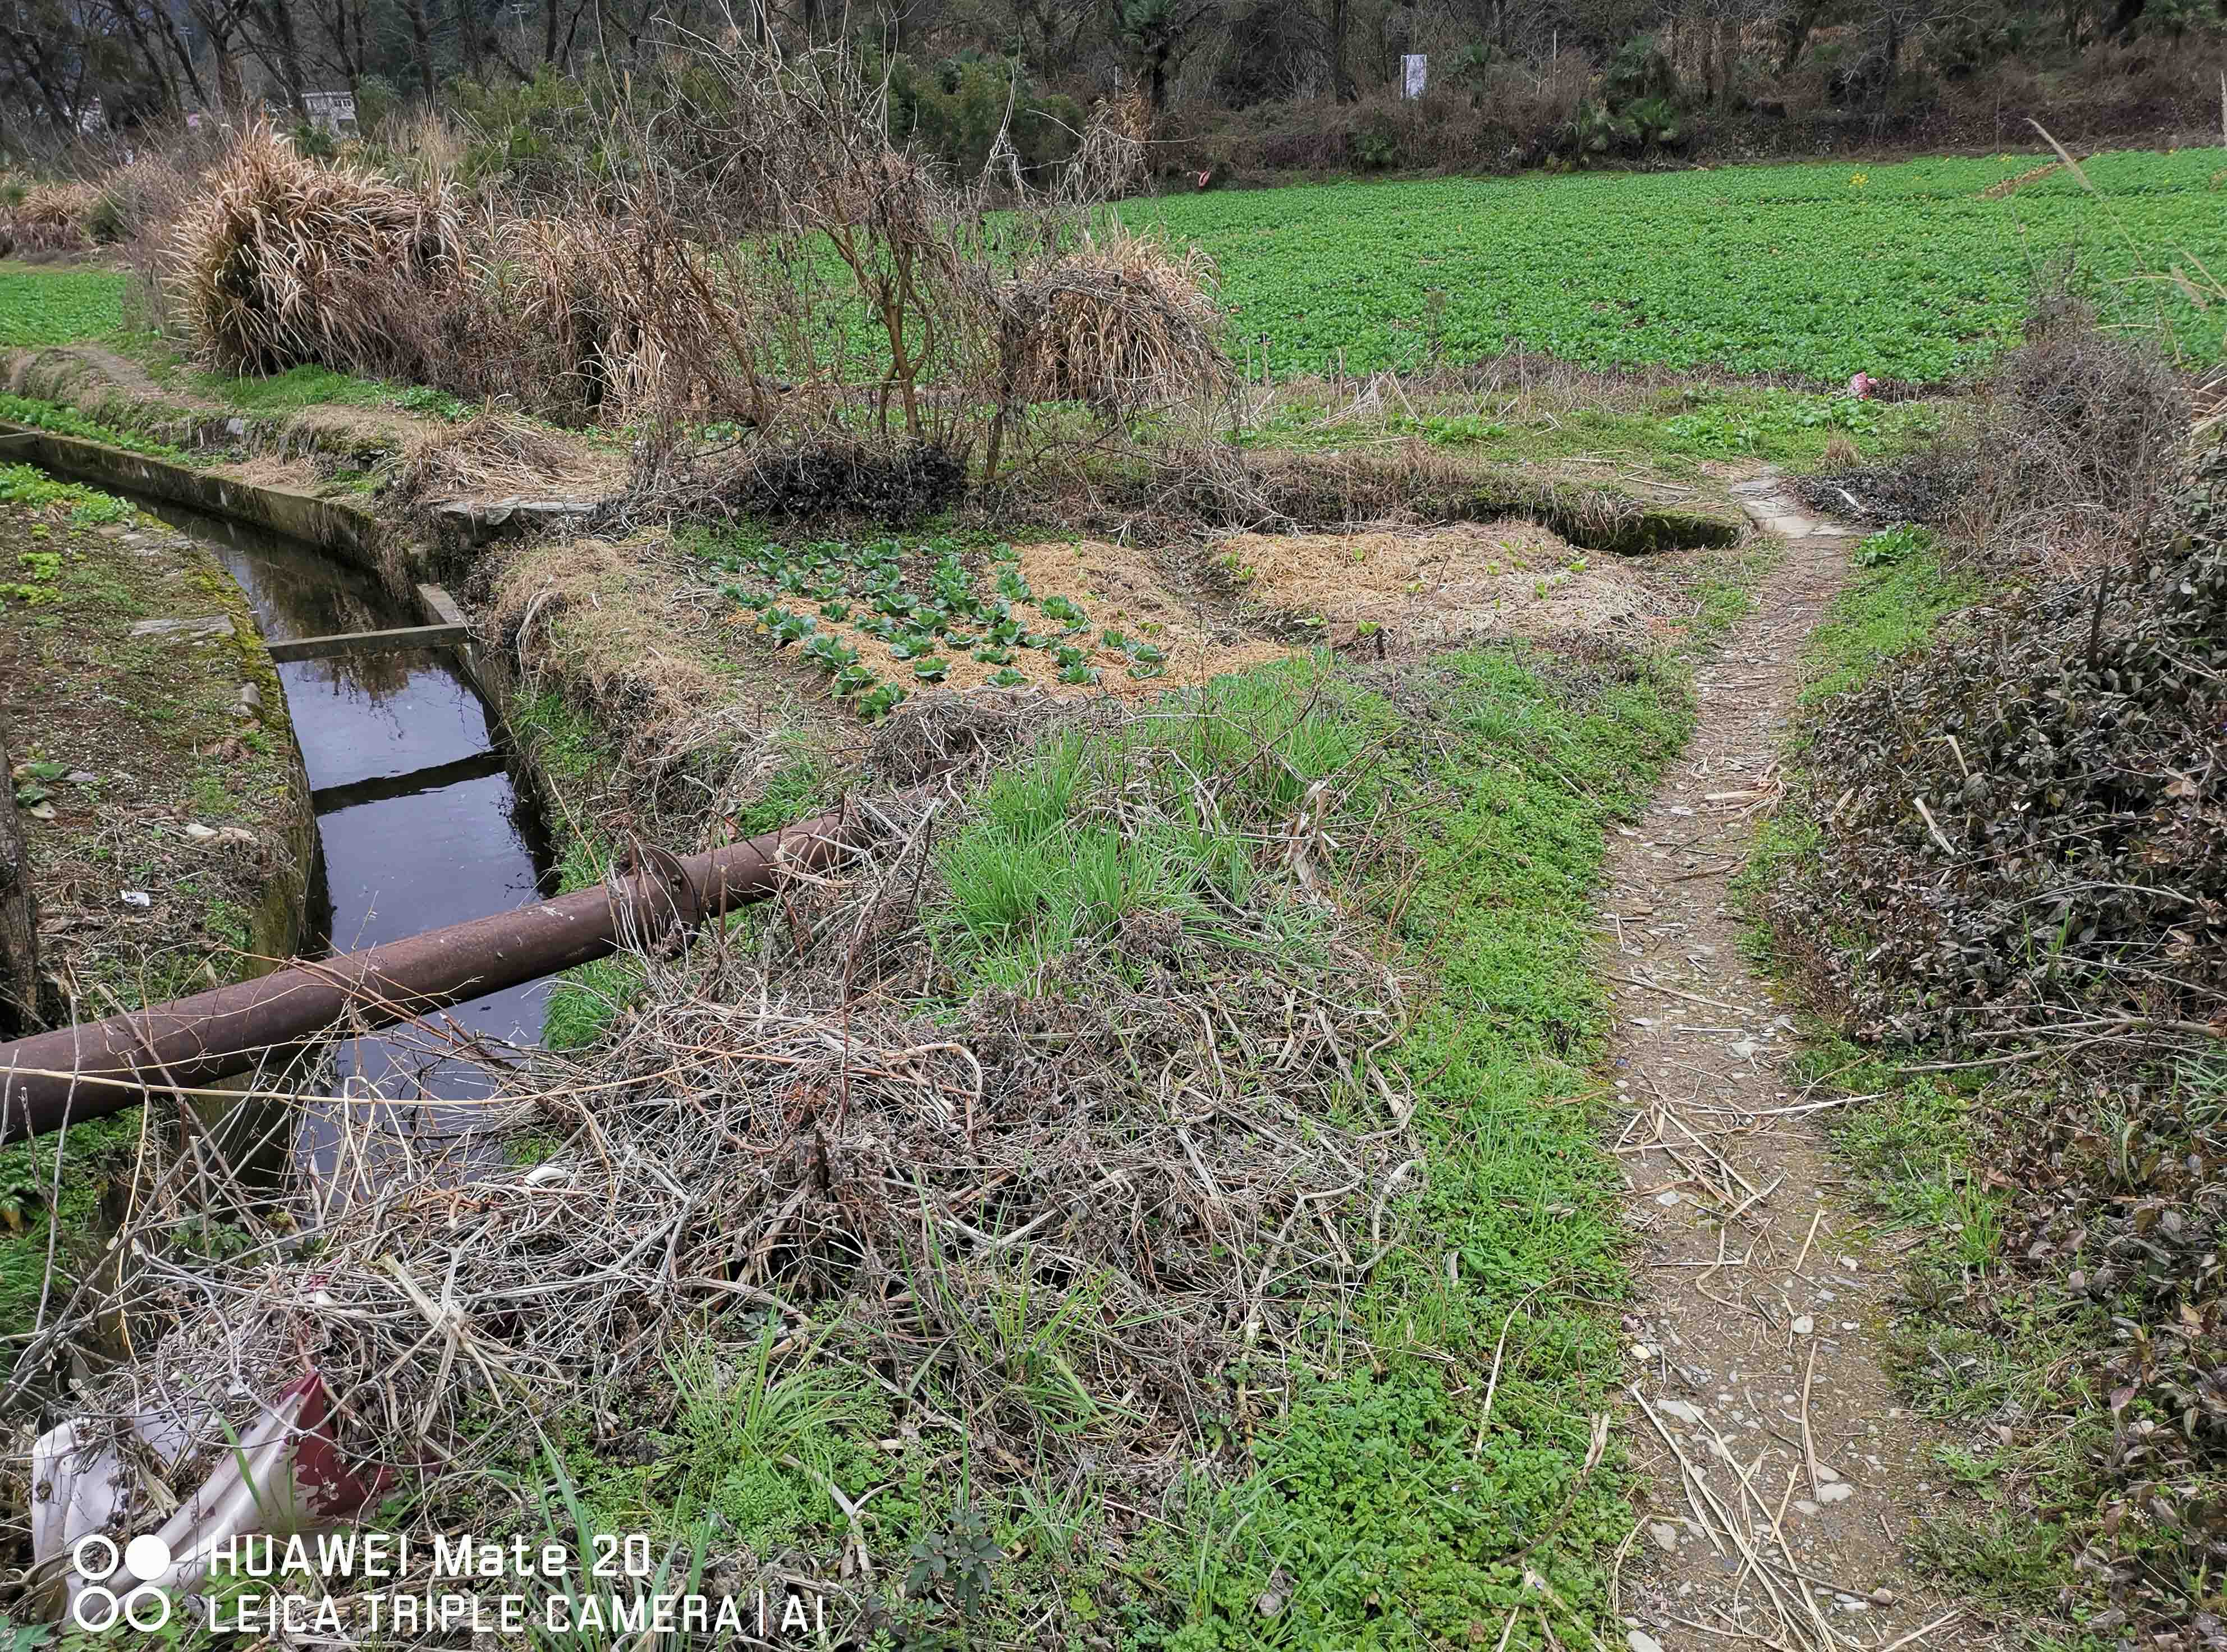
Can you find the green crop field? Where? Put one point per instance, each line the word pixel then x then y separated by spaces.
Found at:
pixel 1819 270
pixel 51 306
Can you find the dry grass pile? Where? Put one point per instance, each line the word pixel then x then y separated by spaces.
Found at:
pixel 52 218
pixel 1510 577
pixel 603 622
pixel 590 321
pixel 499 454
pixel 281 260
pixel 1120 324
pixel 1036 1234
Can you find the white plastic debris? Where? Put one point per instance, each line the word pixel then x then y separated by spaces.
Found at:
pixel 283 1476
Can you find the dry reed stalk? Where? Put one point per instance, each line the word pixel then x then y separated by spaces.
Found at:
pixel 1120 322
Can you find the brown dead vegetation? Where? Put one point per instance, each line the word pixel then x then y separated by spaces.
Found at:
pixel 497 454
pixel 1510 576
pixel 50 218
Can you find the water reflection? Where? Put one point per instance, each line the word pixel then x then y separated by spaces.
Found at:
pixel 419 822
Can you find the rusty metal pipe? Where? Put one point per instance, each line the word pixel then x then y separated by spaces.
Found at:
pixel 98 1067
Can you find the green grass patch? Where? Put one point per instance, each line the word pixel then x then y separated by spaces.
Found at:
pixel 1674 430
pixel 1379 1510
pixel 64 421
pixel 297 388
pixel 1826 270
pixel 40 305
pixel 1030 878
pixel 566 745
pixel 1886 611
pixel 65 1176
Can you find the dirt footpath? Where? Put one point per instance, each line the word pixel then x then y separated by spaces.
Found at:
pixel 1780 1478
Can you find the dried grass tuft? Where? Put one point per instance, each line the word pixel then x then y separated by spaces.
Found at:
pixel 281 259
pixel 53 218
pixel 1121 323
pixel 497 454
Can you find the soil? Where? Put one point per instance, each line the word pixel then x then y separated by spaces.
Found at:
pixel 1763 1418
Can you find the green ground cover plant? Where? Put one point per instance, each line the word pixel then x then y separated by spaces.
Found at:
pixel 1674 429
pixel 41 305
pixel 64 421
pixel 1821 270
pixel 1891 607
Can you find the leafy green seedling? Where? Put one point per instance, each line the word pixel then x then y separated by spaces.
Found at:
pixel 880 702
pixel 789 628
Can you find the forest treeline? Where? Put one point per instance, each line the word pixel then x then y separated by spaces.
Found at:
pixel 1234 88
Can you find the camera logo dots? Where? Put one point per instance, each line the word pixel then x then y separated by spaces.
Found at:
pixel 97 1607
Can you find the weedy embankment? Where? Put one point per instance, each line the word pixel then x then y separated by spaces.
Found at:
pixel 2003 884
pixel 1150 1199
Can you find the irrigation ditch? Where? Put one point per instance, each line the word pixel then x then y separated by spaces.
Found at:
pixel 426 813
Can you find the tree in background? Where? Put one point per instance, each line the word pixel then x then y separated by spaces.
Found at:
pixel 1161 32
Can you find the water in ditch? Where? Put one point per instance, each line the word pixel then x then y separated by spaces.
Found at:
pixel 418 821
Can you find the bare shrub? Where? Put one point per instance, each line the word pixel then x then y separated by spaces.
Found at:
pixel 1112 162
pixel 982 297
pixel 839 477
pixel 2074 440
pixel 2079 431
